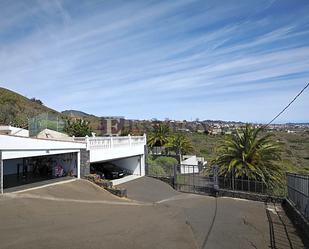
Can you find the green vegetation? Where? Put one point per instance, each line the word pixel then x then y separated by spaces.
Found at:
pixel 204 145
pixel 77 128
pixel 159 135
pixel 179 143
pixel 161 166
pixel 294 153
pixel 248 154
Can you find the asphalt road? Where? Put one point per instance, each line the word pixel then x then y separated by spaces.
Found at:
pixel 81 215
pixel 222 223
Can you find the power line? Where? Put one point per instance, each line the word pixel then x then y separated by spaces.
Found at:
pixel 286 106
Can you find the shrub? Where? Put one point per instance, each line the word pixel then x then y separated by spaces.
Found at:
pixel 166 163
pixel 156 170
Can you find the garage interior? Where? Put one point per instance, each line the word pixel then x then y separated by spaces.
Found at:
pixel 27 170
pixel 130 165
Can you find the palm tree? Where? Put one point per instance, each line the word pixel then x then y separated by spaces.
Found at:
pixel 249 154
pixel 180 144
pixel 159 135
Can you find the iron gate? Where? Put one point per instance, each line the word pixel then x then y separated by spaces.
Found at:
pixel 193 179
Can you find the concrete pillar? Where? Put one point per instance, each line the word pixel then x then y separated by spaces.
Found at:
pixel 142 164
pixel 84 162
pixel 1 173
pixel 78 164
pixel 215 176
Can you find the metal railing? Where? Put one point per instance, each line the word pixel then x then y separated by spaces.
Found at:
pixel 243 185
pixel 298 192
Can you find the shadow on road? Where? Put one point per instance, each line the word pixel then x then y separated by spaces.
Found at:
pixel 283 234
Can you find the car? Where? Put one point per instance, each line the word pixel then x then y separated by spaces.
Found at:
pixel 108 170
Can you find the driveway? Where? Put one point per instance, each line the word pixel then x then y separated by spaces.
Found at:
pixel 222 222
pixel 79 214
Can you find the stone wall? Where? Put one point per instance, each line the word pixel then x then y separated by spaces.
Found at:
pixel 84 162
pixel 249 196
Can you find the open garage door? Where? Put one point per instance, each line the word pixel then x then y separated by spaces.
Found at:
pixel 120 168
pixel 134 165
pixel 23 171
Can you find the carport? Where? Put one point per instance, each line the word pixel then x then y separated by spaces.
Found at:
pixel 21 171
pixel 132 166
pixel 28 160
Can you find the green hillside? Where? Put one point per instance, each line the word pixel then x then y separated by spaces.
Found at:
pixel 295 148
pixel 15 109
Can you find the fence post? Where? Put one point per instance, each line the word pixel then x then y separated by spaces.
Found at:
pixel 175 176
pixel 216 180
pixel 87 142
pixel 130 140
pixel 112 142
pixel 1 173
pixel 193 178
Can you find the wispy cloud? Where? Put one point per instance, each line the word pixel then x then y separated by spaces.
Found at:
pixel 146 59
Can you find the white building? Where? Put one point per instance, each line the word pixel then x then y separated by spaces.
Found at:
pixel 26 160
pixel 11 130
pixel 191 164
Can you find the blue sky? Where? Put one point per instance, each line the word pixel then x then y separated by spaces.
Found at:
pixel 230 60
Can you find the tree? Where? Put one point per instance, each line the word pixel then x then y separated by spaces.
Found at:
pixel 249 154
pixel 38 101
pixel 159 135
pixel 77 128
pixel 180 144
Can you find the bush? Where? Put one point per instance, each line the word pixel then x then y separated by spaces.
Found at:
pixel 162 165
pixel 77 128
pixel 92 177
pixel 167 163
pixel 156 170
pixel 97 180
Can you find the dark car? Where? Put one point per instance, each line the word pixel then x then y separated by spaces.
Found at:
pixel 108 170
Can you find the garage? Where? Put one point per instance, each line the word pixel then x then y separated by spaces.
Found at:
pixel 122 168
pixel 22 171
pixel 29 162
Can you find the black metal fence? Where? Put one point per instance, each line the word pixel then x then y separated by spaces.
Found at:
pixel 243 184
pixel 191 178
pixel 298 192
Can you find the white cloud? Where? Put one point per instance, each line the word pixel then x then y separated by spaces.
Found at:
pixel 140 56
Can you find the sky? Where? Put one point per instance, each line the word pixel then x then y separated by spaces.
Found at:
pixel 228 60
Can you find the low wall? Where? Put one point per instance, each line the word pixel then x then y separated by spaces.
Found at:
pixel 249 196
pixel 297 218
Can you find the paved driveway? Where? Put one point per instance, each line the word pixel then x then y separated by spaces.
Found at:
pixel 81 215
pixel 222 222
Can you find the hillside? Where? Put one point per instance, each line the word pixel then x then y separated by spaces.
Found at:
pixel 15 109
pixel 295 148
pixel 77 114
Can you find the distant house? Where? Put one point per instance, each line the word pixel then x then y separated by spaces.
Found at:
pixel 11 130
pixel 192 164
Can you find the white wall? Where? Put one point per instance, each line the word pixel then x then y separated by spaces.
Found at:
pixel 134 164
pixel 40 147
pixel 189 166
pixel 10 130
pixel 97 155
pixel 188 169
